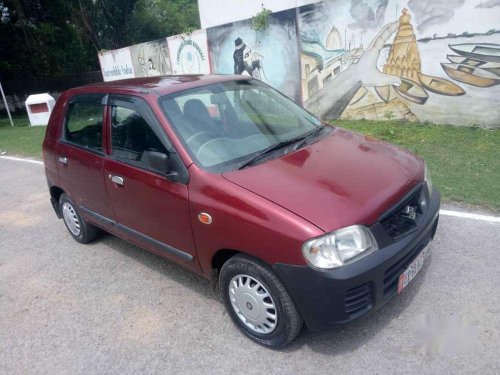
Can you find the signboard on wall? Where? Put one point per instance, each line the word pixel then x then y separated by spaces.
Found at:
pixel 116 64
pixel 189 53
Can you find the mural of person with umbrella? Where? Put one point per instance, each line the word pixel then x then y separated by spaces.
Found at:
pixel 247 62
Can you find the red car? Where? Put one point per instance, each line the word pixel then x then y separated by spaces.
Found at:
pixel 295 220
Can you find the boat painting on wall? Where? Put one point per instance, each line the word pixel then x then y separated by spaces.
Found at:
pixel 489 66
pixel 477 64
pixel 412 91
pixel 439 85
pixel 471 75
pixel 483 52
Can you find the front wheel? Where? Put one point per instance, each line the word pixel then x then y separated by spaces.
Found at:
pixel 258 302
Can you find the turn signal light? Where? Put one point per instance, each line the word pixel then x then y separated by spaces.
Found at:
pixel 205 218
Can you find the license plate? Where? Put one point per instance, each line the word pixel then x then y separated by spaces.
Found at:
pixel 413 268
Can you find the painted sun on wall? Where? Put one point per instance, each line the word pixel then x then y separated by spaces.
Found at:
pixel 414 60
pixel 270 55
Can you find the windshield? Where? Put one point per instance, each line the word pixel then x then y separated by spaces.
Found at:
pixel 225 125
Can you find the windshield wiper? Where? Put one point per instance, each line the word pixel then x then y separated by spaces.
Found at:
pixel 313 133
pixel 301 138
pixel 272 148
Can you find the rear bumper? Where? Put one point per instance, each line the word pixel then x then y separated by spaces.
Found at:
pixel 332 297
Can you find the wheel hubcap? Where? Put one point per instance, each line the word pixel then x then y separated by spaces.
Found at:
pixel 253 304
pixel 71 219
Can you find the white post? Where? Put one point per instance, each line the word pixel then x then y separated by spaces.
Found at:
pixel 6 105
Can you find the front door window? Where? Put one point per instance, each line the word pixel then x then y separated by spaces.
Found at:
pixel 133 136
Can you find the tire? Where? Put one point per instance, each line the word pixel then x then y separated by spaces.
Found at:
pixel 81 230
pixel 242 272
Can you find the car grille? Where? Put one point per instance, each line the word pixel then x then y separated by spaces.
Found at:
pixel 391 275
pixel 400 221
pixel 358 300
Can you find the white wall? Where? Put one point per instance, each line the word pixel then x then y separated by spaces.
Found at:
pixel 218 12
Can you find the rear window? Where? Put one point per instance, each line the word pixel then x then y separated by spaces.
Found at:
pixel 84 118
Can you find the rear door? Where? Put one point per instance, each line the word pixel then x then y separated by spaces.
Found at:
pixel 151 209
pixel 80 155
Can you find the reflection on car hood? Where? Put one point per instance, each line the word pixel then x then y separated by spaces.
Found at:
pixel 343 179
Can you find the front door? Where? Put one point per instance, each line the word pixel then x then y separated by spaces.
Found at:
pixel 81 157
pixel 151 209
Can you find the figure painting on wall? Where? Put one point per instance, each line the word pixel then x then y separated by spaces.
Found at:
pixel 270 55
pixel 152 71
pixel 151 58
pixel 246 62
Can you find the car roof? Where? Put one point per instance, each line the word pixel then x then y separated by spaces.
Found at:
pixel 159 85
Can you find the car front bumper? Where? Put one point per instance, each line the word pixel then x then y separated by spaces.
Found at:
pixel 331 297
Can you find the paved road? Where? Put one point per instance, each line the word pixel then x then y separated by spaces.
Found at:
pixel 110 307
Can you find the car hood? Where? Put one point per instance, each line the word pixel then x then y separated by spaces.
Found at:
pixel 343 179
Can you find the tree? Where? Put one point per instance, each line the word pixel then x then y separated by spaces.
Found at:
pixel 154 19
pixel 56 37
pixel 37 39
pixel 106 23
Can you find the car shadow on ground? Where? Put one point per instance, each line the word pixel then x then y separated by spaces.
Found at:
pixel 164 266
pixel 342 339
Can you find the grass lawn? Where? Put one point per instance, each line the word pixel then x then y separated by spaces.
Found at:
pixel 464 162
pixel 21 140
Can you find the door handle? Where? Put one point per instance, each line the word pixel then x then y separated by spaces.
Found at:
pixel 116 179
pixel 63 160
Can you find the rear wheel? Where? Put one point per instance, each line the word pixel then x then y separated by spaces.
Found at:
pixel 77 226
pixel 258 302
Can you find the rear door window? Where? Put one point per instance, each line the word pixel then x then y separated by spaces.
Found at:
pixel 84 119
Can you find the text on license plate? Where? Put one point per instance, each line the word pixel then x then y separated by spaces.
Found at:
pixel 413 268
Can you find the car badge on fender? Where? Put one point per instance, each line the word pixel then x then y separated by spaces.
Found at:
pixel 409 212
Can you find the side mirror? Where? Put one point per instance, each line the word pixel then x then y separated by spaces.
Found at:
pixel 157 161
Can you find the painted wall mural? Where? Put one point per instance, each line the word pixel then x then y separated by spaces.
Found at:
pixel 418 60
pixel 151 58
pixel 189 53
pixel 271 55
pixel 415 60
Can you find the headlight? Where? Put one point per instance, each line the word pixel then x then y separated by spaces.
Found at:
pixel 340 247
pixel 428 180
